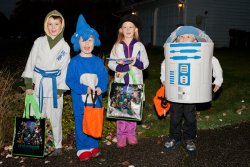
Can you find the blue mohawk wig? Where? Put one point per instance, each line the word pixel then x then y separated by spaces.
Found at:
pixel 85 31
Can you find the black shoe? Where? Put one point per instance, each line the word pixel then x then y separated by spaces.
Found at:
pixel 171 144
pixel 190 146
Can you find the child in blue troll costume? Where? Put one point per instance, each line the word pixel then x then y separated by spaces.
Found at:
pixel 86 73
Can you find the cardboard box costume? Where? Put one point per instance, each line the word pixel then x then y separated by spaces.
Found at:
pixel 189 69
pixel 189 72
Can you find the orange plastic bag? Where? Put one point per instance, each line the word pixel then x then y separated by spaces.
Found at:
pixel 160 102
pixel 93 118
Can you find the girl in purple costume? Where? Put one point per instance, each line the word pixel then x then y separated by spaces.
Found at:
pixel 128 46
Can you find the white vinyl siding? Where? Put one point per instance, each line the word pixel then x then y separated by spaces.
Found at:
pixel 146 19
pixel 167 21
pixel 222 16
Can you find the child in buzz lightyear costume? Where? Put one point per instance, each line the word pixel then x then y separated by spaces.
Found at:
pixel 126 47
pixel 183 110
pixel 45 71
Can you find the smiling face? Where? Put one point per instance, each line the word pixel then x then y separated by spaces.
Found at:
pixel 86 46
pixel 186 38
pixel 54 26
pixel 128 29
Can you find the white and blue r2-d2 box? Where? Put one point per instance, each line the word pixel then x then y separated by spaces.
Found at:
pixel 188 72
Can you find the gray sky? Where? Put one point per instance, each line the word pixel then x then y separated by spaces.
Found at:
pixel 7 6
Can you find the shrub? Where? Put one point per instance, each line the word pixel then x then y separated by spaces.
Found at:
pixel 68 125
pixel 9 104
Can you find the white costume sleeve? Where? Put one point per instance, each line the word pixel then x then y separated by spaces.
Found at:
pixel 163 71
pixel 144 56
pixel 29 68
pixel 217 71
pixel 112 64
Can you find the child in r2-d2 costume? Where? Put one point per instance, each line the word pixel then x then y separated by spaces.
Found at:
pixel 187 73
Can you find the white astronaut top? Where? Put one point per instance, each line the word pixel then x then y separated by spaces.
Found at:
pixel 119 53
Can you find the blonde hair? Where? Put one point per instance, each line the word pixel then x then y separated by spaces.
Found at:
pixel 120 38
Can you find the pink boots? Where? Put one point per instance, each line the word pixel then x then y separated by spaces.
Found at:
pixel 126 130
pixel 132 140
pixel 121 141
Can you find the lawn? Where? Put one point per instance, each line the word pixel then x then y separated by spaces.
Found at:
pixel 229 106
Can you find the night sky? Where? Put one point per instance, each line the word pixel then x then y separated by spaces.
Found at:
pixel 25 18
pixel 7 7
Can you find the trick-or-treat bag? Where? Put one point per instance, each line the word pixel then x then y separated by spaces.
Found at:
pixel 125 101
pixel 93 117
pixel 161 104
pixel 32 136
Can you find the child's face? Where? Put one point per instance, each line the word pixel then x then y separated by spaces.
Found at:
pixel 54 26
pixel 128 29
pixel 186 38
pixel 87 46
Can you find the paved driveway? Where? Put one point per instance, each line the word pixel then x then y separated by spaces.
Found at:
pixel 223 147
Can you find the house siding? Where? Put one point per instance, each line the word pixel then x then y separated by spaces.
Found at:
pixel 146 19
pixel 167 21
pixel 222 15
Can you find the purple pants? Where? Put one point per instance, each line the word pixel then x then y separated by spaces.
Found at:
pixel 125 128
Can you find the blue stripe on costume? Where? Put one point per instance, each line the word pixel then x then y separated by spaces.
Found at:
pixel 185 44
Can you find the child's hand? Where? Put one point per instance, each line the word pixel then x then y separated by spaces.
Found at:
pixel 120 62
pixel 98 90
pixel 216 88
pixel 29 91
pixel 165 113
pixel 89 90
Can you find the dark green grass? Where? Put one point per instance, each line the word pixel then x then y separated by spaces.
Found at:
pixel 229 106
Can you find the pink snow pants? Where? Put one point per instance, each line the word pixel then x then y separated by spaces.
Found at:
pixel 125 128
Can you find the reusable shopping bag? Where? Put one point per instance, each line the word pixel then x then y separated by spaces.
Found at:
pixel 33 136
pixel 160 102
pixel 93 117
pixel 125 101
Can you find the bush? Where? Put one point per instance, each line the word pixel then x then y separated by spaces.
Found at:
pixel 68 125
pixel 9 104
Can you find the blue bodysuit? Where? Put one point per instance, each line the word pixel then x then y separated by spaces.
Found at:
pixel 81 71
